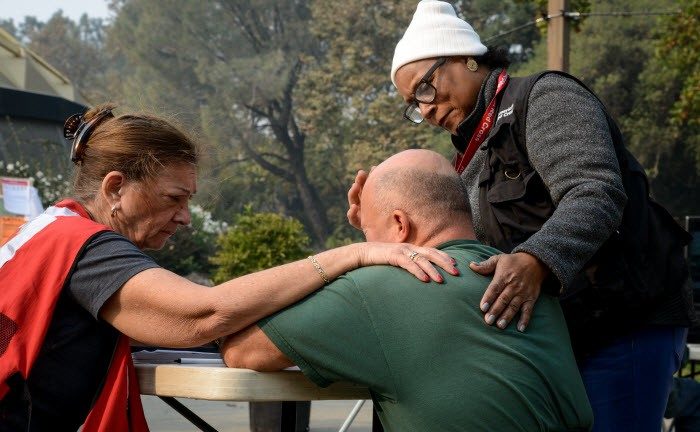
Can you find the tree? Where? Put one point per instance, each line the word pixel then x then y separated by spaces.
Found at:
pixel 495 19
pixel 608 52
pixel 74 48
pixel 645 71
pixel 664 126
pixel 9 26
pixel 257 241
pixel 351 111
pixel 241 62
pixel 294 95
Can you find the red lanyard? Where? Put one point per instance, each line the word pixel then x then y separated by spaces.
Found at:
pixel 483 129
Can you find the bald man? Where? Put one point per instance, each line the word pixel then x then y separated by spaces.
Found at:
pixel 422 349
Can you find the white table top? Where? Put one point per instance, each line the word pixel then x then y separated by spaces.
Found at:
pixel 217 382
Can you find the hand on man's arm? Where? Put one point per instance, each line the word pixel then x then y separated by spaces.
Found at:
pixel 252 349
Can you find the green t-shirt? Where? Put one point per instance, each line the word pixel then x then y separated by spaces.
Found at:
pixel 428 358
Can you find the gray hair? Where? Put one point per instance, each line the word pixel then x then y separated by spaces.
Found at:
pixel 434 198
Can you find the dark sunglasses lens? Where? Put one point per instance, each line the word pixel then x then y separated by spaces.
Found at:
pixel 425 93
pixel 413 114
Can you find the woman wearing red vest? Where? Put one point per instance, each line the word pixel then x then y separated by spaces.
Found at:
pixel 551 184
pixel 76 284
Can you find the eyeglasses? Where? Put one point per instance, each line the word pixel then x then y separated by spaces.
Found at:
pixel 78 130
pixel 425 93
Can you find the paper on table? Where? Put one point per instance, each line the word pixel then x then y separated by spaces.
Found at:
pixel 169 356
pixel 185 357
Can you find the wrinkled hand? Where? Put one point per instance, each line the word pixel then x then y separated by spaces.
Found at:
pixel 517 281
pixel 421 266
pixel 354 194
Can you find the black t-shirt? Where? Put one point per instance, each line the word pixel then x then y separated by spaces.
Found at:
pixel 75 356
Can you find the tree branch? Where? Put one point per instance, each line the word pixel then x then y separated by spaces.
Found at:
pixel 274 169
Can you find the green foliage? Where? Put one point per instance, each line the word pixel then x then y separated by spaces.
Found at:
pixel 645 70
pixel 542 7
pixel 257 241
pixel 234 65
pixel 74 48
pixel 294 96
pixel 678 52
pixel 189 250
pixel 491 18
pixel 349 108
pixel 664 126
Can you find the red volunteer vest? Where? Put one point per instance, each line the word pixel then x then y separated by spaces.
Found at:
pixel 34 266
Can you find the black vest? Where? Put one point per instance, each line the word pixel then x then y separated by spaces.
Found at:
pixel 641 264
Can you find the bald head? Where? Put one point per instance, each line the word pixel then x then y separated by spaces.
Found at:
pixel 426 160
pixel 424 185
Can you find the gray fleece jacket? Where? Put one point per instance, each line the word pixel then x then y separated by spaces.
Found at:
pixel 569 145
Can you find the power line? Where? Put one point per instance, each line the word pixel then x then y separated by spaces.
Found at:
pixel 515 29
pixel 576 15
pixel 617 14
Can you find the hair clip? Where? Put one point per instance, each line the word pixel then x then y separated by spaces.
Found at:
pixel 70 127
pixel 78 130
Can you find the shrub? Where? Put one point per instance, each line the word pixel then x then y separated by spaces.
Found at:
pixel 257 241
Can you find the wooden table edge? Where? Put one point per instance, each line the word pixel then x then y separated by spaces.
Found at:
pixel 220 383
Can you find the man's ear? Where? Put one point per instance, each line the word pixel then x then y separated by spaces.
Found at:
pixel 401 226
pixel 111 186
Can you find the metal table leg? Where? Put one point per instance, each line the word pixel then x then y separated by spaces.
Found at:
pixel 376 424
pixel 188 414
pixel 289 417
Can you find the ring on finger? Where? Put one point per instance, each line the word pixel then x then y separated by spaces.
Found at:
pixel 413 255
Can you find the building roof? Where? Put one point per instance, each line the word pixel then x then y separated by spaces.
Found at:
pixel 23 69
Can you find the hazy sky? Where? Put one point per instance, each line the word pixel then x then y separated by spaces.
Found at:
pixel 43 9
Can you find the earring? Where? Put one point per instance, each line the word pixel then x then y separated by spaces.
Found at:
pixel 472 65
pixel 114 210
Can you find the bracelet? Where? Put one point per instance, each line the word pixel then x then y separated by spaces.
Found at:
pixel 319 269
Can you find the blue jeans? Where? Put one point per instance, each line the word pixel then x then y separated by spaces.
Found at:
pixel 628 381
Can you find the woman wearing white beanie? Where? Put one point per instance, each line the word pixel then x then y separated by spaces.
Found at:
pixel 551 183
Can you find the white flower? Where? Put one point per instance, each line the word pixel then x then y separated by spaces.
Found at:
pixel 10 167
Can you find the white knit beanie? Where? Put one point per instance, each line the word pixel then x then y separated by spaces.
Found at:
pixel 435 31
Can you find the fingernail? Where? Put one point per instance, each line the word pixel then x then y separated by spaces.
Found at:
pixel 455 271
pixel 475 263
pixel 485 306
pixel 425 278
pixel 440 279
pixel 490 318
pixel 502 323
pixel 521 328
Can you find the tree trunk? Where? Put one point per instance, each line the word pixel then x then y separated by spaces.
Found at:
pixel 313 208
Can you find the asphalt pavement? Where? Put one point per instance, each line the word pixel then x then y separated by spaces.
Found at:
pixel 326 416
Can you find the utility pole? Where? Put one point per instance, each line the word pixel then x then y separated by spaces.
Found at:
pixel 558 35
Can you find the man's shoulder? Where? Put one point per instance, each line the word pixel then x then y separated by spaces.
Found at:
pixel 371 275
pixel 463 251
